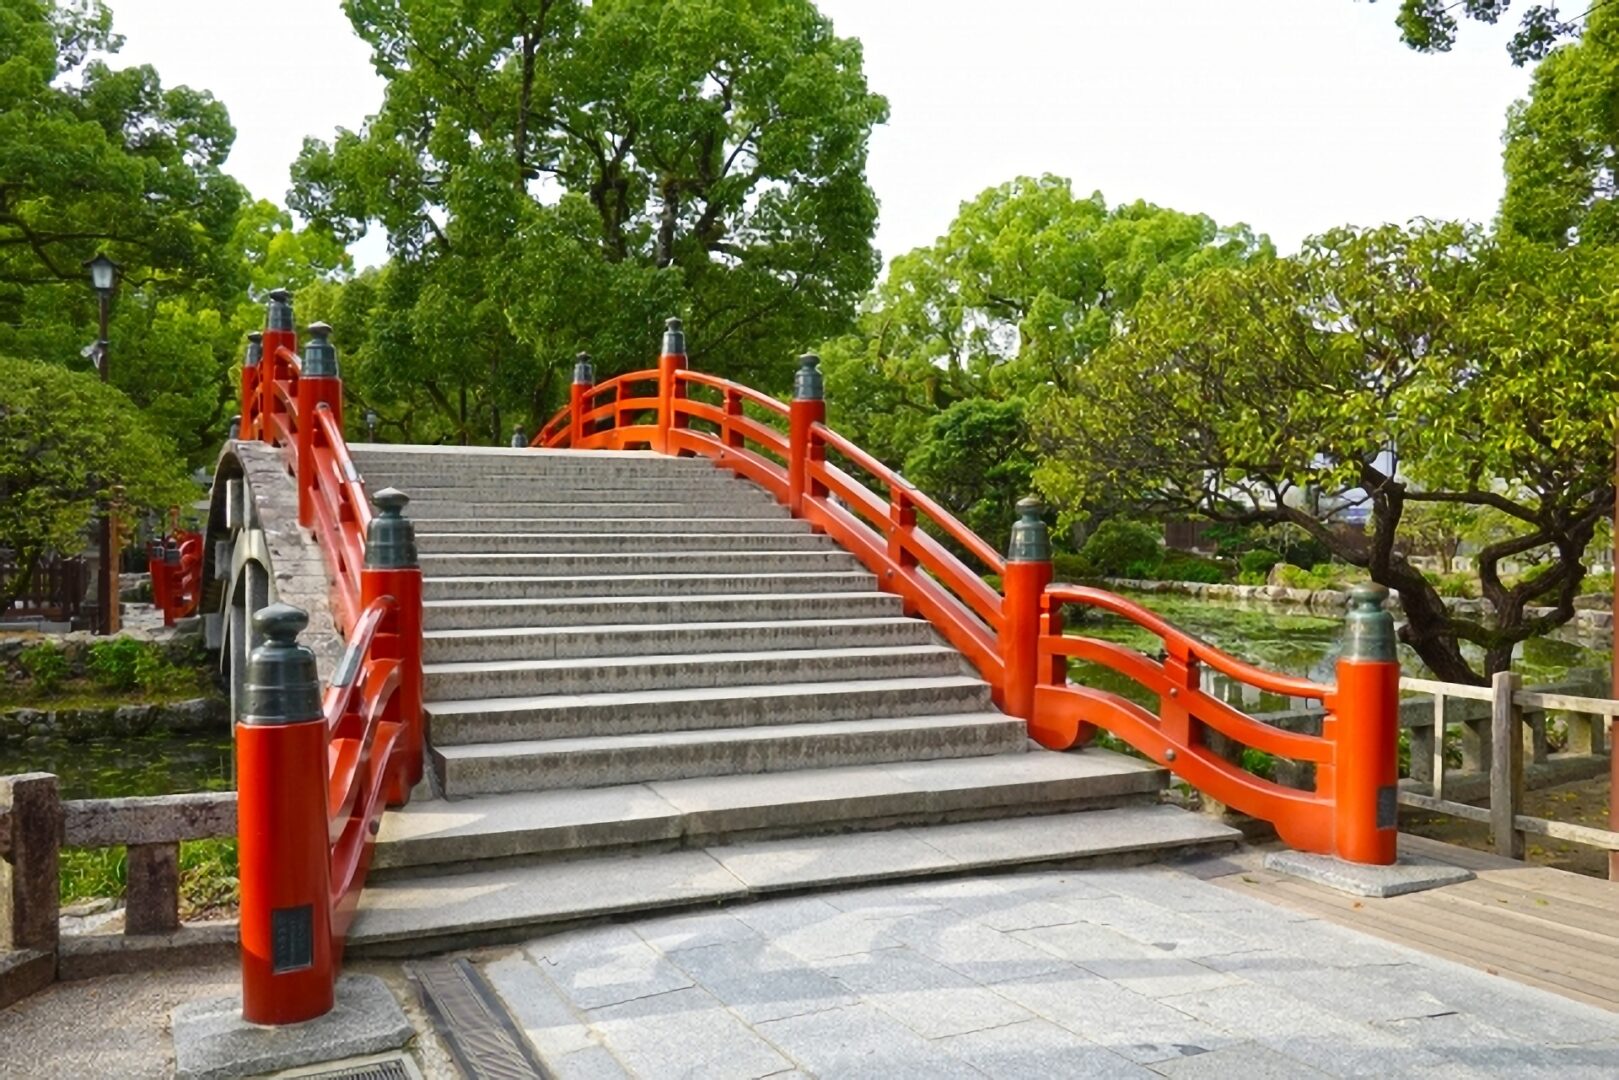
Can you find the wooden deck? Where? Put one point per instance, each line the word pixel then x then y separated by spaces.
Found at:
pixel 1532 924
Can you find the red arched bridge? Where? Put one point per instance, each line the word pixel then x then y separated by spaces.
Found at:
pixel 758 524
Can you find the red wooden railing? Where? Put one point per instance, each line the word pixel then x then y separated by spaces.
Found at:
pixel 312 789
pixel 1014 638
pixel 174 565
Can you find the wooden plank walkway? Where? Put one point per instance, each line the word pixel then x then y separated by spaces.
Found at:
pixel 1546 928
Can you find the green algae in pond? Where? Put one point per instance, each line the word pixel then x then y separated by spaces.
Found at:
pixel 150 764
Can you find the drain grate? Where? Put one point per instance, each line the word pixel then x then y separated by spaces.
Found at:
pixel 394 1068
pixel 482 1037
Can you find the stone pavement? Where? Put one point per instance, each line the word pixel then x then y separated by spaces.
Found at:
pixel 1144 972
pixel 1109 973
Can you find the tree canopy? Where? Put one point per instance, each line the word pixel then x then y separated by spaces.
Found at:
pixel 1432 25
pixel 558 176
pixel 66 443
pixel 1377 370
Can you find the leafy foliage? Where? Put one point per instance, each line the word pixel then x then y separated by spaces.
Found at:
pixel 974 460
pixel 1431 25
pixel 1485 363
pixel 1120 548
pixel 1025 284
pixel 558 176
pixel 46 665
pixel 66 443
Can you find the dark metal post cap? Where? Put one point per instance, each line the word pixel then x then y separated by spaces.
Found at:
pixel 255 348
pixel 320 355
pixel 390 541
pixel 1031 540
pixel 674 338
pixel 808 383
pixel 283 685
pixel 1368 627
pixel 279 314
pixel 281 623
pixel 584 372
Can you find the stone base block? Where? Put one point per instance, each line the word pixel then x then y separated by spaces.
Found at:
pixel 24 972
pixel 212 1040
pixel 1411 874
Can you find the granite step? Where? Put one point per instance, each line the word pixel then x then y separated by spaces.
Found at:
pixel 608 760
pixel 593 585
pixel 605 564
pixel 677 671
pixel 547 642
pixel 504 517
pixel 455 834
pixel 419 915
pixel 489 615
pixel 556 716
pixel 620 542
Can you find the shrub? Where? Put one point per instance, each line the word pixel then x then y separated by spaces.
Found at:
pixel 1596 585
pixel 46 665
pixel 1294 577
pixel 112 662
pixel 1258 561
pixel 1186 566
pixel 1117 547
pixel 1252 577
pixel 1072 568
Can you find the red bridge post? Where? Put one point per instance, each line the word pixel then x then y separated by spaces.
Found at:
pixel 673 359
pixel 584 379
pixel 318 385
pixel 250 386
pixel 1365 728
pixel 281 820
pixel 807 410
pixel 392 569
pixel 1028 572
pixel 278 335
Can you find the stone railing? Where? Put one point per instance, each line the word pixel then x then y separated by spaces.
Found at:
pixel 35 824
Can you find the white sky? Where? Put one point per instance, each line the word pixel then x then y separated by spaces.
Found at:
pixel 1289 115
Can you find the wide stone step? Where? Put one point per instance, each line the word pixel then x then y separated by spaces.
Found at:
pixel 605 564
pixel 505 517
pixel 599 761
pixel 613 674
pixel 510 903
pixel 558 716
pixel 459 833
pixel 621 542
pixel 594 583
pixel 542 534
pixel 563 642
pixel 405 460
pixel 496 614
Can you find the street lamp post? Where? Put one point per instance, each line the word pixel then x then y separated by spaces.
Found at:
pixel 103 275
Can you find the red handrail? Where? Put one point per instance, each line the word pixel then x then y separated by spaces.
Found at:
pixel 372 730
pixel 174 568
pixel 1015 640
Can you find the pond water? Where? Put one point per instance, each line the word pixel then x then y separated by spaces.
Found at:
pixel 1280 639
pixel 151 764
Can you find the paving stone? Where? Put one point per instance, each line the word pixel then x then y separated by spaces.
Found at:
pixel 694 930
pixel 1249 1061
pixel 861 1042
pixel 685 1033
pixel 996 902
pixel 1146 969
pixel 1413 873
pixel 604 966
pixel 975 950
pixel 550 1024
pixel 1117 1019
pixel 930 999
pixel 760 982
pixel 1500 1004
pixel 212 1040
pixel 1302 1031
pixel 812 929
pixel 593 1063
pixel 1159 927
pixel 1038 1050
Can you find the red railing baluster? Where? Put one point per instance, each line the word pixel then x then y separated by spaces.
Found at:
pixel 807 410
pixel 318 385
pixel 1028 572
pixel 672 360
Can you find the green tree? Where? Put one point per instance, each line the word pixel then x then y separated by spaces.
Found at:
pixel 1027 282
pixel 1562 143
pixel 556 176
pixel 1432 25
pixel 975 460
pixel 1384 369
pixel 66 441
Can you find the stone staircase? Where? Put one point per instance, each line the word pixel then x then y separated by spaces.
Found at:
pixel 647 685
